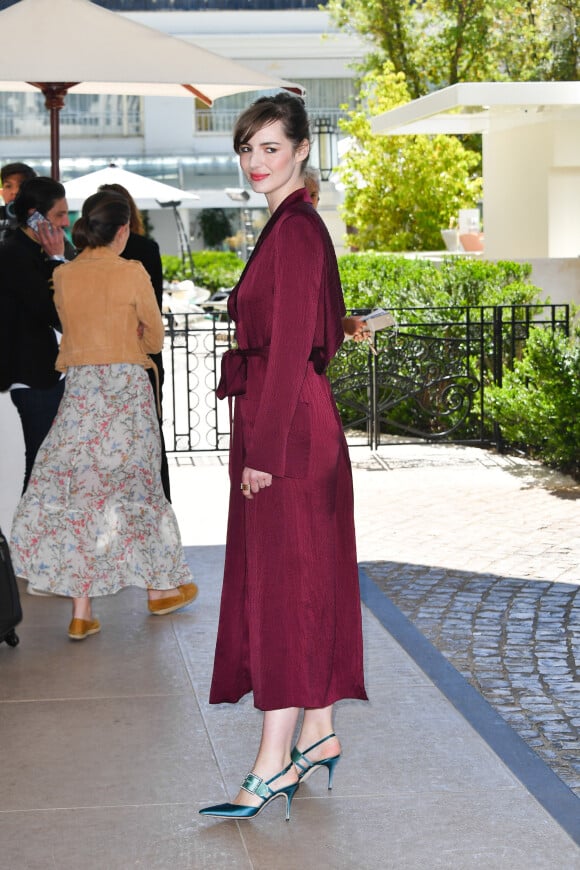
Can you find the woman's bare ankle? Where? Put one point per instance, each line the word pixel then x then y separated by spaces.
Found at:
pixel 326 749
pixel 82 609
pixel 156 594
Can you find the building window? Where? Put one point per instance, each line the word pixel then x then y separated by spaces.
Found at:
pixel 25 115
pixel 324 98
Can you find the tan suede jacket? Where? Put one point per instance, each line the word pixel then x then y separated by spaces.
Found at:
pixel 102 300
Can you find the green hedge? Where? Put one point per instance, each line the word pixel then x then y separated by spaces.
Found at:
pixel 374 279
pixel 214 270
pixel 538 404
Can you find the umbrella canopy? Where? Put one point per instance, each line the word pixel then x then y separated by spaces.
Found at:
pixel 147 193
pixel 75 45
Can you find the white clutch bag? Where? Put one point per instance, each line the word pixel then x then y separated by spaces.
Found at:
pixel 379 319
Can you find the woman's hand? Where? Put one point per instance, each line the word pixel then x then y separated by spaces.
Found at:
pixel 356 328
pixel 253 481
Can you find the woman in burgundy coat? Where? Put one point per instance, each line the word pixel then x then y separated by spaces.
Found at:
pixel 290 620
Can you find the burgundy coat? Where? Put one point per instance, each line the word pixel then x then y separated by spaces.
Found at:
pixel 290 621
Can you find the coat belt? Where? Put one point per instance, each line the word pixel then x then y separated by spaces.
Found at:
pixel 234 368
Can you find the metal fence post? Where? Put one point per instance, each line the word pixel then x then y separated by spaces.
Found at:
pixel 375 415
pixel 498 366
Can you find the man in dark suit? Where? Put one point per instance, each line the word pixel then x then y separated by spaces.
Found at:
pixel 29 323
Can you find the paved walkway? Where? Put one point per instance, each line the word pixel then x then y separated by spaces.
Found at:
pixel 488 569
pixel 110 746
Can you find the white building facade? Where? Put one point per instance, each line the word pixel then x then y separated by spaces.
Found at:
pixel 173 139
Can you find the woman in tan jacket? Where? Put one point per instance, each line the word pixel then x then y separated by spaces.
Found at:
pixel 94 518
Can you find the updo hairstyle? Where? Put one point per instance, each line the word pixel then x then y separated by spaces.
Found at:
pixel 102 215
pixel 284 107
pixel 136 221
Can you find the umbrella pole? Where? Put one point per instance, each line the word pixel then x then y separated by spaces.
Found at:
pixel 54 97
pixel 55 141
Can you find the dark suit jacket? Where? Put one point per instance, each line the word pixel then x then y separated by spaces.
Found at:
pixel 28 344
pixel 147 252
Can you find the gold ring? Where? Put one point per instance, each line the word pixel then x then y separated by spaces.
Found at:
pixel 245 487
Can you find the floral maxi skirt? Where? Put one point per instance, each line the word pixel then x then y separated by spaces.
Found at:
pixel 94 518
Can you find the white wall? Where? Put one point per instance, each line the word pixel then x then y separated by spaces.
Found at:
pixel 531 174
pixel 284 43
pixel 564 212
pixel 328 208
pixel 169 125
pixel 515 192
pixel 11 461
pixel 164 228
pixel 558 278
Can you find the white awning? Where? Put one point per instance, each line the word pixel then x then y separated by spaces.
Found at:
pixel 469 107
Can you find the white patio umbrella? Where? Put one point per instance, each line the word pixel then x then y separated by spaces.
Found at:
pixel 147 193
pixel 73 45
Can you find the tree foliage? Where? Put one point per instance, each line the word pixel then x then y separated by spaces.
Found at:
pixel 436 43
pixel 391 29
pixel 215 226
pixel 401 190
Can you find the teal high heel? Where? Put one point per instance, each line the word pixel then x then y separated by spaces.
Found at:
pixel 255 785
pixel 306 767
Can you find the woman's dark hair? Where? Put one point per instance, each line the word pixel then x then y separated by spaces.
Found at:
pixel 39 193
pixel 136 221
pixel 102 215
pixel 284 107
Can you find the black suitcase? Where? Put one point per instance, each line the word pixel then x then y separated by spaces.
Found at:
pixel 10 609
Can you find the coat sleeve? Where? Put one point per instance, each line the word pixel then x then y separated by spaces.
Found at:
pixel 299 260
pixel 155 268
pixel 148 312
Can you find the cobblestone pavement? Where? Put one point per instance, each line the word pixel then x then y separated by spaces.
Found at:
pixel 517 642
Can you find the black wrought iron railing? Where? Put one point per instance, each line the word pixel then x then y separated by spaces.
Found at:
pixel 423 380
pixel 428 378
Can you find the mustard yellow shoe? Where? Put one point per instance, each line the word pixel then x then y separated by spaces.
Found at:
pixel 81 628
pixel 170 603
